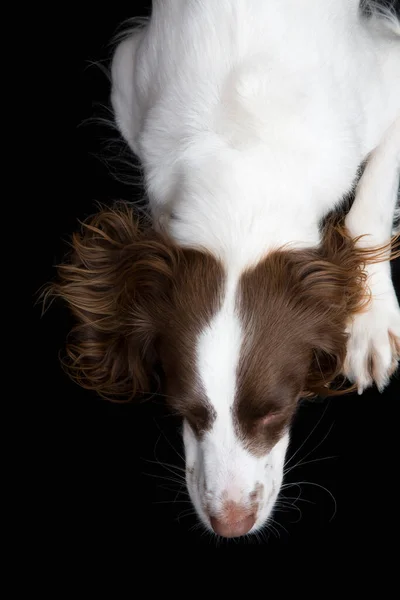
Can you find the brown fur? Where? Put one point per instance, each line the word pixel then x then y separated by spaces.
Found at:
pixel 294 306
pixel 129 289
pixel 137 298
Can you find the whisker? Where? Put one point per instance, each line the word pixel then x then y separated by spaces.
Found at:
pixel 298 499
pixel 188 512
pixel 172 502
pixel 318 485
pixel 178 477
pixel 273 529
pixel 164 464
pixel 308 462
pixel 291 507
pixel 280 525
pixel 169 443
pixel 178 481
pixel 173 490
pixel 264 536
pixel 309 435
pixel 196 525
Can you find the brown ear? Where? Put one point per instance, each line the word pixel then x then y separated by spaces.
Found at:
pixel 334 281
pixel 115 282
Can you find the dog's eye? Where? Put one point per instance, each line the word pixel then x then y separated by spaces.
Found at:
pixel 198 418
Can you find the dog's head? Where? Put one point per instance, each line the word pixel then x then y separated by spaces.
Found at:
pixel 237 349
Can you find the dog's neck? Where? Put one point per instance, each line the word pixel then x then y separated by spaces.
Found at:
pixel 239 209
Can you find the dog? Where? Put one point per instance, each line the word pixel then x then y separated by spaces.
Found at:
pixel 251 120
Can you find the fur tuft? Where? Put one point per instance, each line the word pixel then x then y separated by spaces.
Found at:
pixel 340 278
pixel 383 16
pixel 113 281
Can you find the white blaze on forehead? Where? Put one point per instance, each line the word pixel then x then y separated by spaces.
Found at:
pixel 223 468
pixel 218 351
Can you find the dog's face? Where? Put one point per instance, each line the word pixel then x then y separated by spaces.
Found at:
pixel 235 358
pixel 238 347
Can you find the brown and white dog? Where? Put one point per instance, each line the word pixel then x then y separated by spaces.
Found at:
pixel 251 119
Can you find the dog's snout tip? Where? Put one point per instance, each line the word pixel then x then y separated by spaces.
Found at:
pixel 232 528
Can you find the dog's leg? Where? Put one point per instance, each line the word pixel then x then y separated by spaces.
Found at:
pixel 123 94
pixel 373 349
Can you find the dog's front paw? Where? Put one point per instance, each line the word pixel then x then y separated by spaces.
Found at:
pixel 373 348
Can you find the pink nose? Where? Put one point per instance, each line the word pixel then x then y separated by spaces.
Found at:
pixel 234 521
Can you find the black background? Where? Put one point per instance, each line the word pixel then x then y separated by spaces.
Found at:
pixel 99 462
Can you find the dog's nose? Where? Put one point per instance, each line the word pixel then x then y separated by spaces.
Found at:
pixel 229 529
pixel 234 521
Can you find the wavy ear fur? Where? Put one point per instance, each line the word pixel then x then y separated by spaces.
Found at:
pixel 119 278
pixel 115 281
pixel 335 286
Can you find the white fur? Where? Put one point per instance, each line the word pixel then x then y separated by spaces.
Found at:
pixel 251 118
pixel 371 216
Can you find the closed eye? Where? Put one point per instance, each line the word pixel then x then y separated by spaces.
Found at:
pixel 269 418
pixel 274 416
pixel 199 417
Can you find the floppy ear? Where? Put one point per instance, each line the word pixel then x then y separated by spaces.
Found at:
pixel 336 287
pixel 333 282
pixel 115 282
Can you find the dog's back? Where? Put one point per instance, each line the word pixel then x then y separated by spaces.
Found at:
pixel 248 114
